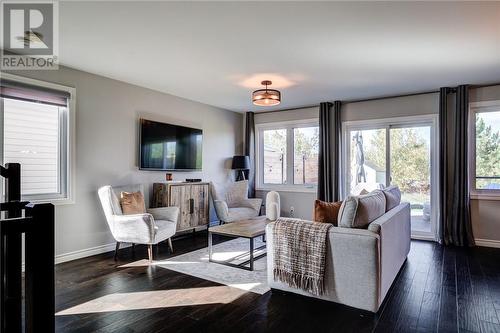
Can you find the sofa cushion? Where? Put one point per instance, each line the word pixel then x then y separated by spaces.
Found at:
pixel 360 211
pixel 326 212
pixel 164 229
pixel 241 213
pixel 132 203
pixel 392 197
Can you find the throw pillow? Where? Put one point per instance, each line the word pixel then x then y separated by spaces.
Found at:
pixel 392 197
pixel 132 203
pixel 326 212
pixel 360 211
pixel 347 212
pixel 371 206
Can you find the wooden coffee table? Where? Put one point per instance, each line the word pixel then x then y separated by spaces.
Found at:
pixel 251 229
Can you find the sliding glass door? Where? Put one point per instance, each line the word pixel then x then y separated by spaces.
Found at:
pixel 399 152
pixel 410 160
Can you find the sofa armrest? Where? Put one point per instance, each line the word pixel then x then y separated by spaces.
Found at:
pixel 165 213
pixel 135 228
pixel 222 210
pixel 254 203
pixel 352 267
pixel 395 237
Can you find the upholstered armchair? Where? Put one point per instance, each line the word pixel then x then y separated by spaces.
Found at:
pixel 232 203
pixel 150 228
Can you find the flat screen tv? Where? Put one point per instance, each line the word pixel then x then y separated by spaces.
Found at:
pixel 169 147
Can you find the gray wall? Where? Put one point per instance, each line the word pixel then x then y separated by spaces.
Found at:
pixel 391 107
pixel 485 213
pixel 107 113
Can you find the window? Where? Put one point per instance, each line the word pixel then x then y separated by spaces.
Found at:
pixel 305 155
pixel 36 126
pixel 287 155
pixel 274 170
pixel 485 149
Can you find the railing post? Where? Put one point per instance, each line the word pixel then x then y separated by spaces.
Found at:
pixel 39 271
pixel 11 270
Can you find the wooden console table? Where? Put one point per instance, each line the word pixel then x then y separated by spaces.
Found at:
pixel 191 198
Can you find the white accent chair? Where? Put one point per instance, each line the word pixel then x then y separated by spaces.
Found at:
pixel 232 203
pixel 150 228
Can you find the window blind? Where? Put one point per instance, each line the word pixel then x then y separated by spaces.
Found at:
pixel 31 137
pixel 25 92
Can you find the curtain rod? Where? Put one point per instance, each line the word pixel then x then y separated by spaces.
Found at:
pixel 473 86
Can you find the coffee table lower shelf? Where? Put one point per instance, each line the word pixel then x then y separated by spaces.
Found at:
pixel 247 264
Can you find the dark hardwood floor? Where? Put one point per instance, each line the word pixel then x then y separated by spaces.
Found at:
pixel 439 289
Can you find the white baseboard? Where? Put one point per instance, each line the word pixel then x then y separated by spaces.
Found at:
pixel 92 251
pixel 487 242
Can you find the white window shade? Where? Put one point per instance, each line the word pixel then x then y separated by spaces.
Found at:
pixel 32 138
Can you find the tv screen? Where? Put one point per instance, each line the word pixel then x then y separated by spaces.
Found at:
pixel 169 147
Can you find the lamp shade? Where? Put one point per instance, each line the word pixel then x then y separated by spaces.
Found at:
pixel 266 97
pixel 241 163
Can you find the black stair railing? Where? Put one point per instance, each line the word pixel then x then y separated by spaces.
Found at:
pixel 36 222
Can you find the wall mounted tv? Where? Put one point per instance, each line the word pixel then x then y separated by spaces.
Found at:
pixel 169 147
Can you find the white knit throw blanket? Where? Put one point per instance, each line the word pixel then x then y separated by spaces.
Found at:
pixel 300 253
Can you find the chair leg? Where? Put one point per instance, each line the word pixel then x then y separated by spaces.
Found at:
pixel 116 250
pixel 150 252
pixel 170 245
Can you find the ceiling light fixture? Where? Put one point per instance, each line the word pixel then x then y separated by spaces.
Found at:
pixel 266 97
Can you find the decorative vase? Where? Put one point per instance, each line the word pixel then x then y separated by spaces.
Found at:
pixel 273 205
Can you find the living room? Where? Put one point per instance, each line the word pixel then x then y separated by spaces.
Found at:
pixel 225 166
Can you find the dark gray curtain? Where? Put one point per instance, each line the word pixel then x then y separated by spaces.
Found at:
pixel 443 162
pixel 456 227
pixel 250 151
pixel 329 151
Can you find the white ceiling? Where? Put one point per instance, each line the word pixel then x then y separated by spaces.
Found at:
pixel 217 53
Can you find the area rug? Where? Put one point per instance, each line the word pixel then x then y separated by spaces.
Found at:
pixel 196 264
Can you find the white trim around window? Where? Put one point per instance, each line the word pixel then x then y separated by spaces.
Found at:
pixel 66 144
pixel 259 156
pixel 474 108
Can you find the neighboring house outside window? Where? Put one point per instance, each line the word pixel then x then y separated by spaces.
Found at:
pixel 484 149
pixel 37 132
pixel 287 155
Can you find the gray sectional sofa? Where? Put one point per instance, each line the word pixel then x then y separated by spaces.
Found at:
pixel 361 262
